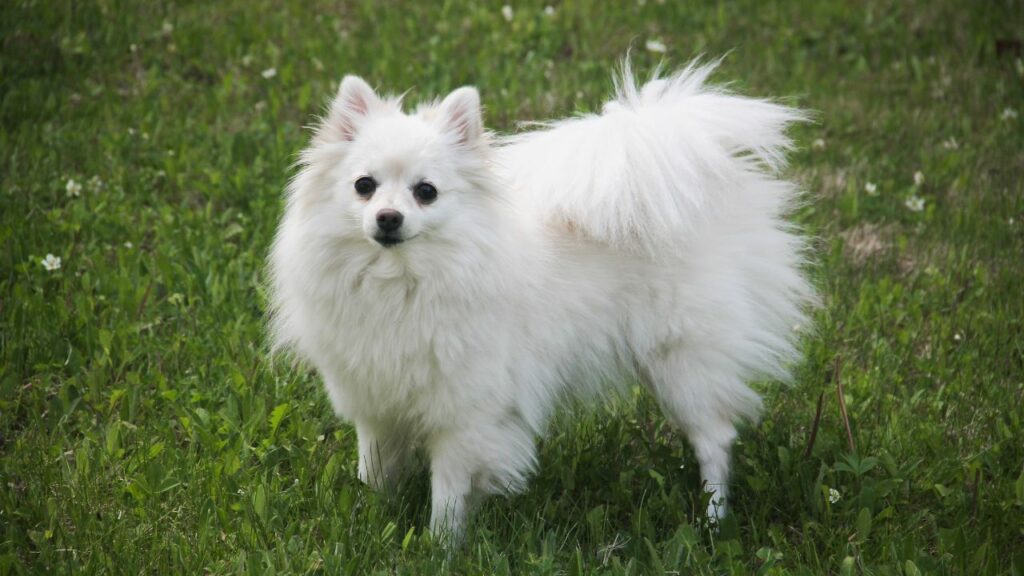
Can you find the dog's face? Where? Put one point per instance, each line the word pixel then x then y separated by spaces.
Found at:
pixel 395 179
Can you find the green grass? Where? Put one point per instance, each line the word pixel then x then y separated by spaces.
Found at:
pixel 143 429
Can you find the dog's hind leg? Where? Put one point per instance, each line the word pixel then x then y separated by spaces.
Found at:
pixel 702 393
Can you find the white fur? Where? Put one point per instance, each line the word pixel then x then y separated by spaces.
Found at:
pixel 648 241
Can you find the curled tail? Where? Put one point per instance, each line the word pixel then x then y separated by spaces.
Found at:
pixel 658 160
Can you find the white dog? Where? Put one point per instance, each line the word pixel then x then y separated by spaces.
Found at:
pixel 452 287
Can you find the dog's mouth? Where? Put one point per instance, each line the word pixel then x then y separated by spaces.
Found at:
pixel 390 240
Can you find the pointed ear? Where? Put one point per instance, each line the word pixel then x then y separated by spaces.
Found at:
pixel 355 100
pixel 460 113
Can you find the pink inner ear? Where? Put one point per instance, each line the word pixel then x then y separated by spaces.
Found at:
pixel 462 117
pixel 346 123
pixel 352 109
pixel 354 102
pixel 357 104
pixel 459 121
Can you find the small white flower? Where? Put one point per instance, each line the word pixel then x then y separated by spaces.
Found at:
pixel 918 178
pixel 167 28
pixel 957 337
pixel 74 188
pixel 506 13
pixel 549 11
pixel 950 144
pixel 129 245
pixel 656 46
pixel 320 438
pixel 915 203
pixel 1010 221
pixel 260 106
pixel 871 189
pixel 818 144
pixel 1008 114
pixel 834 495
pixel 94 184
pixel 247 60
pixel 50 263
pixel 269 73
pixel 133 48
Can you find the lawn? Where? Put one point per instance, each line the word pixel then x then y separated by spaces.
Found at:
pixel 145 429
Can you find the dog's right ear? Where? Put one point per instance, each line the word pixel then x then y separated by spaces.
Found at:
pixel 355 100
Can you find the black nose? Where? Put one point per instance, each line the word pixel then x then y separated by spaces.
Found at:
pixel 389 220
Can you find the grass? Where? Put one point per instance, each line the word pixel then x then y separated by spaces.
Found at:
pixel 143 429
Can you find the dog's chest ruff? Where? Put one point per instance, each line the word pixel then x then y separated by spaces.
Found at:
pixel 402 347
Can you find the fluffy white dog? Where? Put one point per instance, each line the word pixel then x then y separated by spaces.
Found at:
pixel 452 287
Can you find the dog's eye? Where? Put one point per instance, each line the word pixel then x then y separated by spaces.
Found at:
pixel 365 186
pixel 424 193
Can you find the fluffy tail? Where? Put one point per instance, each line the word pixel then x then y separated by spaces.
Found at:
pixel 658 159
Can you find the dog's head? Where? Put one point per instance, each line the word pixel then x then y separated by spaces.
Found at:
pixel 376 174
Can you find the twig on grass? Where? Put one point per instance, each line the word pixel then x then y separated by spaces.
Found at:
pixel 145 299
pixel 814 426
pixel 836 375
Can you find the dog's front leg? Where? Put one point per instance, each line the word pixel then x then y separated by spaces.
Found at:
pixel 383 453
pixel 451 486
pixel 489 456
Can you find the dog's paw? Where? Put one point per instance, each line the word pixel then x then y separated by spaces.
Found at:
pixel 716 511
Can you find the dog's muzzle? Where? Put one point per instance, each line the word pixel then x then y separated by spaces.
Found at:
pixel 389 225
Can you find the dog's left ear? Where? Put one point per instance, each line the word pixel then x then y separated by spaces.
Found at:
pixel 460 113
